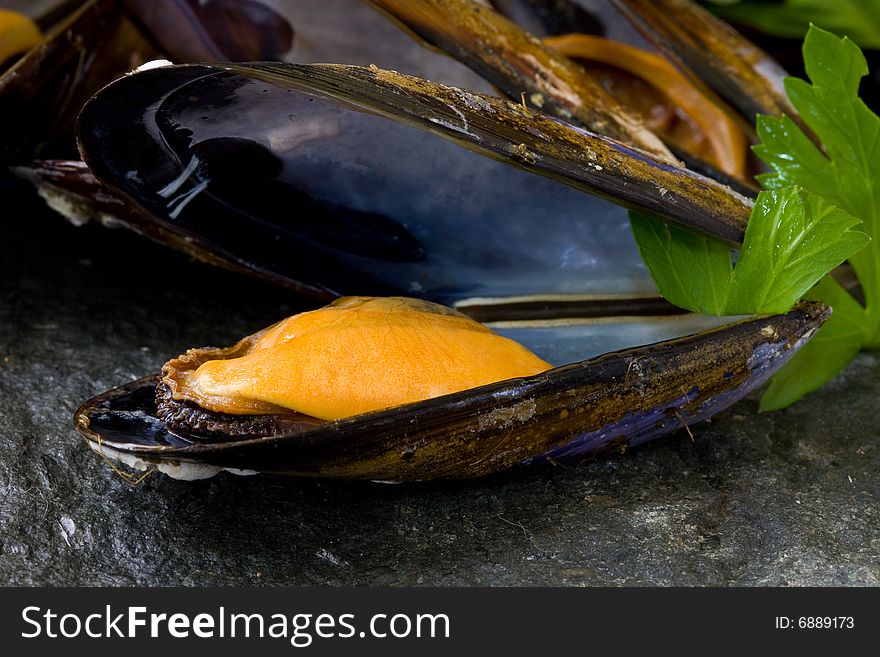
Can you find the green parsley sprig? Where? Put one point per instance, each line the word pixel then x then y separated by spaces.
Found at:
pixel 848 177
pixel 802 227
pixel 860 19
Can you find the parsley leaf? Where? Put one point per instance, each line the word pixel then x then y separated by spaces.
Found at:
pixel 792 240
pixel 834 347
pixel 860 19
pixel 802 226
pixel 848 177
pixel 691 270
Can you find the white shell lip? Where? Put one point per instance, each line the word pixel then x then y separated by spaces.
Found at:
pixel 179 470
pixel 150 65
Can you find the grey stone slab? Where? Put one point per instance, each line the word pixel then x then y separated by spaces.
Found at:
pixel 781 499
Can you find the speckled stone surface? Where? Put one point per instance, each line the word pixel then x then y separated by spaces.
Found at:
pixel 784 499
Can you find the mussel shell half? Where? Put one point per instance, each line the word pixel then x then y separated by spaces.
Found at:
pixel 337 201
pixel 336 179
pixel 616 400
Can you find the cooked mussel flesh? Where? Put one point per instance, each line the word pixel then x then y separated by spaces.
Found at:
pixel 357 355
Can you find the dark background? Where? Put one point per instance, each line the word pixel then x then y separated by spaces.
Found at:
pixel 783 498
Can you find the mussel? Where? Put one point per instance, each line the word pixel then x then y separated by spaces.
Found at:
pixel 616 400
pixel 357 180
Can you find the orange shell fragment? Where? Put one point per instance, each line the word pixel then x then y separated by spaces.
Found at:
pixel 357 355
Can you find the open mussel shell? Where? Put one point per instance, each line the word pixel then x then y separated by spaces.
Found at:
pixel 349 180
pixel 614 401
